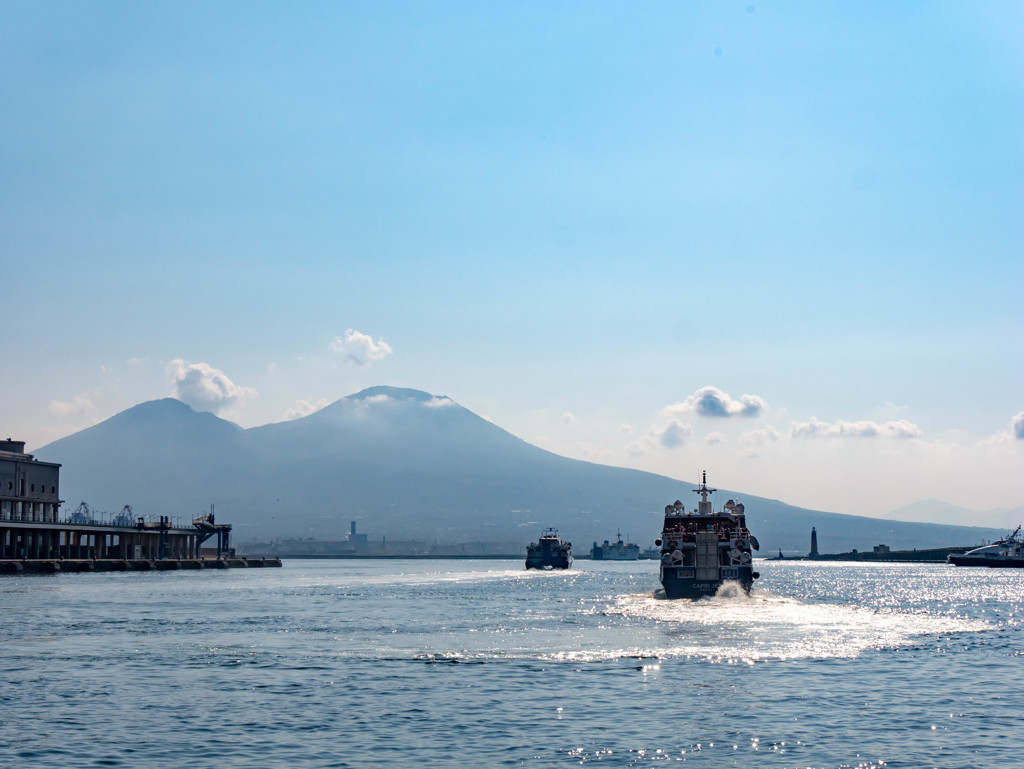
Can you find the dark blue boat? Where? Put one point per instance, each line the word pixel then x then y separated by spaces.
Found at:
pixel 549 552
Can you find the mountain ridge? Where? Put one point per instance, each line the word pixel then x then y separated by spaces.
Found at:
pixel 938 511
pixel 408 464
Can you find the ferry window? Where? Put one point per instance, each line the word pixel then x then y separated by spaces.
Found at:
pixel 53 489
pixel 33 487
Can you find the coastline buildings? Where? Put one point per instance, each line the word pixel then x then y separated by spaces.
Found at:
pixel 29 489
pixel 31 529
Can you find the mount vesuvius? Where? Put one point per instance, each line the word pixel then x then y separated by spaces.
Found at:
pixel 407 465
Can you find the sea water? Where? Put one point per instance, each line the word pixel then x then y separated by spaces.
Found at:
pixel 375 663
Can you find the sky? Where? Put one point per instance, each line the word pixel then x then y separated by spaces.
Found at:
pixel 782 242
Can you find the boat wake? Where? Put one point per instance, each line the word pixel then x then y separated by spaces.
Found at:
pixel 737 627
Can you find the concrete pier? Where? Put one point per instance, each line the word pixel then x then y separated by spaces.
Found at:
pixel 56 566
pixel 35 538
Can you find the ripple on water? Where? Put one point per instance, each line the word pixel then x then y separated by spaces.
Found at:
pixel 735 626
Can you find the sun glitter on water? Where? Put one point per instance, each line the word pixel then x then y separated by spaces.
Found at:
pixel 734 626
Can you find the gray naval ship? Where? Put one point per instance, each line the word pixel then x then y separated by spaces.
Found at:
pixel 615 551
pixel 702 549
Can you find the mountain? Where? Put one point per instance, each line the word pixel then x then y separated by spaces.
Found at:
pixel 937 511
pixel 406 464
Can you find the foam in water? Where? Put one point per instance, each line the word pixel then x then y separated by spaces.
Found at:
pixel 734 626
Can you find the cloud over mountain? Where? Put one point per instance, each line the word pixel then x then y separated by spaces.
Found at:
pixel 78 405
pixel 205 388
pixel 439 402
pixel 304 408
pixel 1017 425
pixel 712 402
pixel 360 349
pixel 668 436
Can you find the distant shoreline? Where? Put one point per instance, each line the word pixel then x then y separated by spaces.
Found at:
pixel 931 555
pixel 418 557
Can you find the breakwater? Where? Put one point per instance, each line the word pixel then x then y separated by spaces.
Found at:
pixel 58 565
pixel 932 555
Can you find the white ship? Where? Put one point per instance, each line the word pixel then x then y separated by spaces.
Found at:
pixel 1007 553
pixel 701 549
pixel 617 551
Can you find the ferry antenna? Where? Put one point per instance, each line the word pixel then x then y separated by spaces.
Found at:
pixel 704 490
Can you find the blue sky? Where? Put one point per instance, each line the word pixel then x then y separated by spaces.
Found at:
pixel 572 218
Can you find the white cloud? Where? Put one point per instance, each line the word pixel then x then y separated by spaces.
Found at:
pixel 713 439
pixel 439 402
pixel 376 399
pixel 675 433
pixel 304 408
pixel 80 404
pixel 205 388
pixel 668 436
pixel 761 436
pixel 901 428
pixel 360 349
pixel 712 402
pixel 568 418
pixel 815 428
pixel 1017 426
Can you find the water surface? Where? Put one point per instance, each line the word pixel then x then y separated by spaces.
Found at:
pixel 481 663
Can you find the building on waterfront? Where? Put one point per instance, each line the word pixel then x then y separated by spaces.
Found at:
pixel 31 528
pixel 358 541
pixel 29 489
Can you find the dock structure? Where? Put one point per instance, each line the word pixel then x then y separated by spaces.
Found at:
pixel 24 539
pixel 34 537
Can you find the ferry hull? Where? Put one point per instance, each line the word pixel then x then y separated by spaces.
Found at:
pixel 680 582
pixel 1006 553
pixel 552 562
pixel 992 563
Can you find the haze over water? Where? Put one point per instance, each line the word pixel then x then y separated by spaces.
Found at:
pixel 480 663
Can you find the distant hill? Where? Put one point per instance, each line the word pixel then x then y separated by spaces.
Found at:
pixel 937 511
pixel 408 465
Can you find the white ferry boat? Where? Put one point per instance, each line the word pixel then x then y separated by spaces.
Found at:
pixel 1006 553
pixel 701 549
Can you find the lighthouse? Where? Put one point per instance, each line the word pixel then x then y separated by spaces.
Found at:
pixel 814 543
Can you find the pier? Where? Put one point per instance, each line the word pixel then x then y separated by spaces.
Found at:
pixel 51 566
pixel 35 539
pixel 76 545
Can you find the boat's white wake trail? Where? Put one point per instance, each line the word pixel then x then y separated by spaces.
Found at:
pixel 738 627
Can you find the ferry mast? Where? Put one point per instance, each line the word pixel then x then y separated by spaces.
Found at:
pixel 704 508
